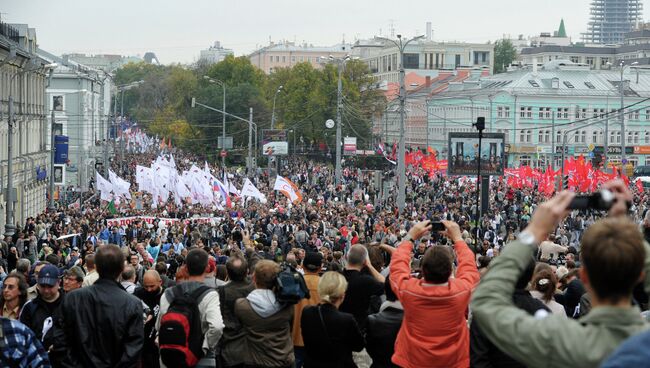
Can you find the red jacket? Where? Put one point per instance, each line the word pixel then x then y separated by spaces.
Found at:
pixel 434 331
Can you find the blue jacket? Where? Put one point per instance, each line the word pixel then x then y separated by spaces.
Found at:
pixel 632 353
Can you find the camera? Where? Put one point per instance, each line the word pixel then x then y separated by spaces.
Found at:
pixel 601 201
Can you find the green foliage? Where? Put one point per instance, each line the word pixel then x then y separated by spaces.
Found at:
pixel 307 100
pixel 504 54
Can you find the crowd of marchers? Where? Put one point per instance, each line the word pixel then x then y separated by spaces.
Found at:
pixel 529 283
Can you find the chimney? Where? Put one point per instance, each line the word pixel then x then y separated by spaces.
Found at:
pixel 534 66
pixel 429 33
pixel 428 80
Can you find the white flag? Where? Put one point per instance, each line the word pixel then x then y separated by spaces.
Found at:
pixel 249 190
pixel 103 185
pixel 288 188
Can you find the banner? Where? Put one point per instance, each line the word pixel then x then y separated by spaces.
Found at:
pixel 463 154
pixel 126 221
pixel 274 142
pixel 350 145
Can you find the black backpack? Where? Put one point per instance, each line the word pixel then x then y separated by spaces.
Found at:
pixel 180 336
pixel 291 286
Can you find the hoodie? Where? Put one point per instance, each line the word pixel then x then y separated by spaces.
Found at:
pixel 263 302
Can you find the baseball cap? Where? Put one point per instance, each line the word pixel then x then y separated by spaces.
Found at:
pixel 312 261
pixel 48 275
pixel 75 271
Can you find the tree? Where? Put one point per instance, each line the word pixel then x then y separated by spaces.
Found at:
pixel 504 54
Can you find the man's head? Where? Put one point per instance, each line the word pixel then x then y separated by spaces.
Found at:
pixel 72 279
pixel 437 264
pixel 109 261
pixel 23 265
pixel 237 268
pixel 612 254
pixel 151 282
pixel 265 274
pixel 313 262
pixel 48 282
pixel 14 288
pixel 196 261
pixel 357 256
pixel 128 274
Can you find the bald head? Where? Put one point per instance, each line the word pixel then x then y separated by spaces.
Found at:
pixel 151 281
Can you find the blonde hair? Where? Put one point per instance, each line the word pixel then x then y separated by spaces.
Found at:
pixel 332 286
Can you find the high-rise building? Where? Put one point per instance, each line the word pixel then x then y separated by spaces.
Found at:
pixel 611 20
pixel 214 54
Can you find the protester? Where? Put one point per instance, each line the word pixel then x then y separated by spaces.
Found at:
pixel 91 273
pixel 14 295
pixel 330 336
pixel 127 279
pixel 383 328
pixel 543 289
pixel 100 325
pixel 150 294
pixel 434 331
pixel 265 322
pixel 72 279
pixel 40 313
pixel 613 254
pixel 20 347
pixel 483 353
pixel 312 265
pixel 231 344
pixel 208 304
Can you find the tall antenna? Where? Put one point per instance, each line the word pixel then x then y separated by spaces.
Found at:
pixel 391 27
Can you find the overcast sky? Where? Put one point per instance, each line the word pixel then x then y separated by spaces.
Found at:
pixel 176 30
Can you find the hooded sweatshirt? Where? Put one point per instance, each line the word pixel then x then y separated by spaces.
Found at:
pixel 263 302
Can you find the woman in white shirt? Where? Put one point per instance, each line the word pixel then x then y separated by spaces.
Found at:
pixel 543 288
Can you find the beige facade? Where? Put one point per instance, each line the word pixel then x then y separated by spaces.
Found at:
pixel 288 54
pixel 24 79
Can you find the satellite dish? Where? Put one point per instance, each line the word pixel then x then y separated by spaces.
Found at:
pixel 329 123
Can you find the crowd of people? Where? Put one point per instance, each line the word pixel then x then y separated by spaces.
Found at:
pixel 524 283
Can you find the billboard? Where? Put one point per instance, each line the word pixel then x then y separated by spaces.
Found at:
pixel 463 150
pixel 274 142
pixel 60 149
pixel 350 145
pixel 59 174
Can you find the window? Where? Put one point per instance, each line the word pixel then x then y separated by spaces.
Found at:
pixel 647 114
pixel 558 136
pixel 547 136
pixel 293 59
pixel 525 160
pixel 411 61
pixel 629 137
pixel 583 113
pixel 529 136
pixel 618 137
pixel 57 103
pixel 522 136
pixel 590 61
pixel 522 112
pixel 562 113
pixel 533 83
pixel 604 61
pixel 595 137
pixel 540 137
pixel 583 137
pixel 568 84
pixel 506 111
pixel 457 60
pixel 590 85
pixel 499 111
pixel 284 59
pixel 636 137
pixel 575 59
pixel 647 137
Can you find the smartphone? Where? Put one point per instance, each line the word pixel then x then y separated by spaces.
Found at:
pixel 437 226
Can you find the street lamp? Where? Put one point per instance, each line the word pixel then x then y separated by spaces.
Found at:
pixel 223 122
pixel 274 98
pixel 10 228
pixel 622 115
pixel 401 163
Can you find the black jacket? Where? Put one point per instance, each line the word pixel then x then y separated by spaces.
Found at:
pixel 381 335
pixel 99 326
pixel 330 342
pixel 483 353
pixel 34 315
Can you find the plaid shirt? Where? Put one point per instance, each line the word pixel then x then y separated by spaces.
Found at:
pixel 19 347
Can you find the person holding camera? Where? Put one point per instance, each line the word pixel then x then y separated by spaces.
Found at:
pixel 614 258
pixel 434 331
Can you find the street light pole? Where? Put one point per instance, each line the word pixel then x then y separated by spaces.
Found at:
pixel 338 124
pixel 223 121
pixel 622 114
pixel 401 163
pixel 273 123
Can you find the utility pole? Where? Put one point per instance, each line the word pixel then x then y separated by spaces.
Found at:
pixel 121 131
pixel 250 138
pixel 606 138
pixel 338 124
pixel 553 144
pixel 223 127
pixel 401 164
pixel 273 125
pixel 52 207
pixel 114 122
pixel 622 117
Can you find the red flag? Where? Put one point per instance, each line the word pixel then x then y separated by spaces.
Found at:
pixel 639 185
